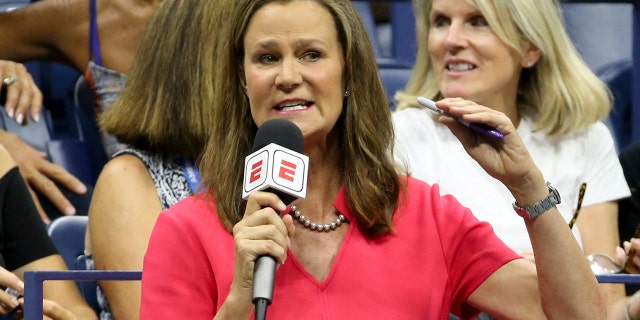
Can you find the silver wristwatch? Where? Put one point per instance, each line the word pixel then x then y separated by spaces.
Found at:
pixel 550 201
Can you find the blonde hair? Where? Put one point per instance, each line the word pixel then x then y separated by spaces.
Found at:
pixel 166 105
pixel 370 180
pixel 560 93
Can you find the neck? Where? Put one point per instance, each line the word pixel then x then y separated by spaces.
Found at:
pixel 325 179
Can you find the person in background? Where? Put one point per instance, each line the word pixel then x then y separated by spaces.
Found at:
pixel 397 249
pixel 97 38
pixel 514 57
pixel 166 122
pixel 26 246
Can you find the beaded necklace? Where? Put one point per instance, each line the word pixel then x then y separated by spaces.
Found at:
pixel 296 214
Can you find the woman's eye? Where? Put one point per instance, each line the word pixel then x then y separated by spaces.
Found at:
pixel 440 21
pixel 478 21
pixel 311 56
pixel 267 58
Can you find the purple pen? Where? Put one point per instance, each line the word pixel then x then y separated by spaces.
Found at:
pixel 479 127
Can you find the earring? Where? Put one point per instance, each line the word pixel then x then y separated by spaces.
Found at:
pixel 346 93
pixel 531 63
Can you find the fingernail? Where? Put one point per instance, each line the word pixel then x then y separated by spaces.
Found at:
pixel 282 205
pixel 20 118
pixel 10 112
pixel 81 188
pixel 21 285
pixel 36 117
pixel 69 211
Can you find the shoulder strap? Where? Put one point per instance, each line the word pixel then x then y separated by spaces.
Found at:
pixel 94 41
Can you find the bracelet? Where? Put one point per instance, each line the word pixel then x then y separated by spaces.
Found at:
pixel 633 298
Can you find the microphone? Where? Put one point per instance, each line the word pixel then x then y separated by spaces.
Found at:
pixel 276 165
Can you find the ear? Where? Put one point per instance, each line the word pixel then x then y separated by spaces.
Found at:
pixel 531 55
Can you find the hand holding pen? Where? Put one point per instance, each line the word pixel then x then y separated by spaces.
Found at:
pixel 490 138
pixel 478 127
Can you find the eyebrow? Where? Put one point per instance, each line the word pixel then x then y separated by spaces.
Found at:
pixel 271 44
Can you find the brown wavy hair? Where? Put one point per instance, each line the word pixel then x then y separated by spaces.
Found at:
pixel 166 105
pixel 370 179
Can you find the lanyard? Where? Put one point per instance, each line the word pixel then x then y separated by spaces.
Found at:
pixel 191 173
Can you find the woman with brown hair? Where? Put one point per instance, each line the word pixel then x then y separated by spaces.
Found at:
pixel 164 116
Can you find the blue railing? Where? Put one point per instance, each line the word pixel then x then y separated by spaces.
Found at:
pixel 34 281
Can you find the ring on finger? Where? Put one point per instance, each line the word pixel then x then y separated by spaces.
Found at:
pixel 9 80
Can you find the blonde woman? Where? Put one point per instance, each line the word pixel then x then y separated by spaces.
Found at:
pixel 515 58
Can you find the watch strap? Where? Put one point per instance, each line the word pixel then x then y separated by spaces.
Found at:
pixel 550 201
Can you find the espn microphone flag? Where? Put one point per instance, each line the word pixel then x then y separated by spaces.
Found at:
pixel 277 165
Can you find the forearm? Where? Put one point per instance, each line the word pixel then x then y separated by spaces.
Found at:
pixel 53 30
pixel 19 35
pixel 235 307
pixel 568 288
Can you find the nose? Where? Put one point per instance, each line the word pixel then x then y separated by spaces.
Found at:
pixel 456 37
pixel 289 76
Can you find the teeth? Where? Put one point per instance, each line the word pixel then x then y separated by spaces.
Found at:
pixel 460 67
pixel 293 105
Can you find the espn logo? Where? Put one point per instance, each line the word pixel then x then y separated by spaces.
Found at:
pixel 276 167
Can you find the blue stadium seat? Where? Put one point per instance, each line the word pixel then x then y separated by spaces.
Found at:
pixel 366 15
pixel 618 76
pixel 36 134
pixel 8 5
pixel 602 32
pixel 403 33
pixel 394 79
pixel 55 81
pixel 82 121
pixel 74 155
